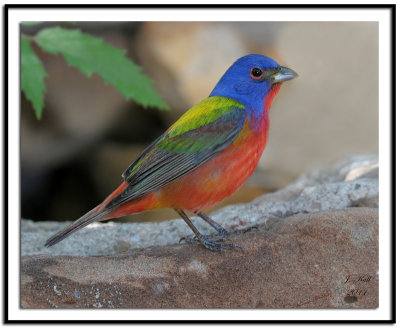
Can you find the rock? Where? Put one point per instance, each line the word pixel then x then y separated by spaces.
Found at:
pixel 320 190
pixel 327 259
pixel 315 246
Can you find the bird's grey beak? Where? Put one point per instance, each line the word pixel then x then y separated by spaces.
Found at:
pixel 283 74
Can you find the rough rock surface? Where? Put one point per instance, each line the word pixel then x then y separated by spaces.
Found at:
pixel 322 260
pixel 352 182
pixel 315 246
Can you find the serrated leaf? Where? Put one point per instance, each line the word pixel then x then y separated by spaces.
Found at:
pixel 32 77
pixel 90 54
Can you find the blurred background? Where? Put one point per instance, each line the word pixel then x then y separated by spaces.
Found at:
pixel 89 134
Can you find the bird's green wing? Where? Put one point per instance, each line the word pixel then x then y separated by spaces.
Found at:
pixel 196 137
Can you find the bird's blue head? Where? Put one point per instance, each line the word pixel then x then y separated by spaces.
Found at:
pixel 250 80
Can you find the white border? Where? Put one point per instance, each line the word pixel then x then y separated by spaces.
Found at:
pixel 17 15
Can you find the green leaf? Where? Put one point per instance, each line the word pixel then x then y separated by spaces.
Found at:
pixel 32 77
pixel 90 54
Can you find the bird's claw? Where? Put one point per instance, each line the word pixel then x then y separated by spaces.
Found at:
pixel 196 239
pixel 215 245
pixel 212 242
pixel 221 236
pixel 222 232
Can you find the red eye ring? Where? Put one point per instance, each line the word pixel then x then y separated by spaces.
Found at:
pixel 256 73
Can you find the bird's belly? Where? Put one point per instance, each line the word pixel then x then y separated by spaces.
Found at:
pixel 216 179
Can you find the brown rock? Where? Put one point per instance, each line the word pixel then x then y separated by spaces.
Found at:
pixel 322 260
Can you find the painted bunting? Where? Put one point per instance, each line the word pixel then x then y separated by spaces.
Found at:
pixel 204 157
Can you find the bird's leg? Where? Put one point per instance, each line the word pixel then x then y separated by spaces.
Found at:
pixel 221 231
pixel 204 240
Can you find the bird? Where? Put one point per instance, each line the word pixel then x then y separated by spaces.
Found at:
pixel 204 157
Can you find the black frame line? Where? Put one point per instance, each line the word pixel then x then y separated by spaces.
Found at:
pixel 391 7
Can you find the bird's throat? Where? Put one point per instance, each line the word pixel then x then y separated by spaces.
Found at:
pixel 260 119
pixel 269 97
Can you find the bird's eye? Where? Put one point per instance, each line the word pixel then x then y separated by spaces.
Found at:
pixel 256 73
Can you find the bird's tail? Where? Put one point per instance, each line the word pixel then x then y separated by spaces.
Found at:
pixel 96 214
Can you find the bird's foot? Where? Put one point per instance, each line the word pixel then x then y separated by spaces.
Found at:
pixel 219 237
pixel 195 239
pixel 221 231
pixel 215 245
pixel 213 242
